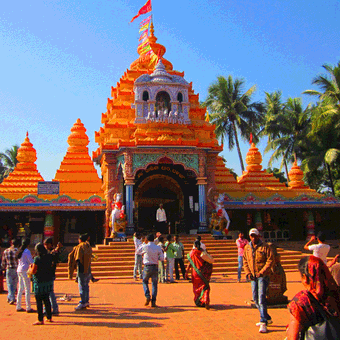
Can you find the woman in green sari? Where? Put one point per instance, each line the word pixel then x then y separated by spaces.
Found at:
pixel 200 276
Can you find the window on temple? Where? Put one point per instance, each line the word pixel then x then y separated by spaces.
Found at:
pixel 145 96
pixel 180 100
pixel 145 104
pixel 163 102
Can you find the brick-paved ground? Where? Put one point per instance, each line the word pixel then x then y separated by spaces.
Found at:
pixel 117 312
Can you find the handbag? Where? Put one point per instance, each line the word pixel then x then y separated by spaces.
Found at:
pixel 328 329
pixel 207 257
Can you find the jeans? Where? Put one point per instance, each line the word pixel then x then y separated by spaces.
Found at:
pixel 53 301
pixel 40 298
pixel 239 268
pixel 138 266
pixel 161 272
pixel 84 290
pixel 12 282
pixel 259 288
pixel 150 271
pixel 24 283
pixel 181 263
pixel 170 269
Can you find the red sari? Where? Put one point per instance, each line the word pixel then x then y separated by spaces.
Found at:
pixel 201 273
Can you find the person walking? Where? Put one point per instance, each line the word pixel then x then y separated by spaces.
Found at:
pixel 200 276
pixel 80 259
pixel 137 240
pixel 161 219
pixel 199 238
pixel 48 244
pixel 170 259
pixel 241 242
pixel 43 275
pixel 9 263
pixel 321 249
pixel 258 259
pixel 161 266
pixel 179 256
pixel 151 255
pixel 24 260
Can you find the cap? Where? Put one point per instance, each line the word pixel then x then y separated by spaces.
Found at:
pixel 254 231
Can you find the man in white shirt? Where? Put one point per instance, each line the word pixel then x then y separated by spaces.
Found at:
pixel 151 255
pixel 321 249
pixel 161 219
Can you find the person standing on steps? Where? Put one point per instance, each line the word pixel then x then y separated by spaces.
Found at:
pixel 241 242
pixel 151 255
pixel 161 219
pixel 321 249
pixel 258 259
pixel 179 256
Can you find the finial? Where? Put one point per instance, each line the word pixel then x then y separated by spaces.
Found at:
pixel 27 134
pixel 152 31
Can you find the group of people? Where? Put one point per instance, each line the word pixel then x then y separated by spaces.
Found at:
pixel 21 268
pixel 153 251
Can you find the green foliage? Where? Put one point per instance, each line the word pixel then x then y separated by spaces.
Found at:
pixel 278 174
pixel 8 161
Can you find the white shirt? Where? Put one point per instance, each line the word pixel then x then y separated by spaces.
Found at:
pixel 320 250
pixel 24 261
pixel 151 253
pixel 137 242
pixel 160 215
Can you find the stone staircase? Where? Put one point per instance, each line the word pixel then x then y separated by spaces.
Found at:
pixel 116 260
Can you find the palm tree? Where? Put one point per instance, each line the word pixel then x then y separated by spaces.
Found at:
pixel 289 130
pixel 329 84
pixel 233 113
pixel 9 159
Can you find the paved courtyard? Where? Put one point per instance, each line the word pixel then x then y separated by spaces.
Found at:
pixel 117 312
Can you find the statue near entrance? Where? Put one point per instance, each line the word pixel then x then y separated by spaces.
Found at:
pixel 118 217
pixel 220 221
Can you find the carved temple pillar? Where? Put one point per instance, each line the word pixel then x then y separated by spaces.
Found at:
pixel 108 169
pixel 202 197
pixel 129 183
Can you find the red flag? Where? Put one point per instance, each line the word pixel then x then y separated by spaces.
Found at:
pixel 251 138
pixel 145 9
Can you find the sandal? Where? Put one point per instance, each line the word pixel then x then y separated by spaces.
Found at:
pixel 38 323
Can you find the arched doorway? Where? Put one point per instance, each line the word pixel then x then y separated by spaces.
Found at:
pixel 153 190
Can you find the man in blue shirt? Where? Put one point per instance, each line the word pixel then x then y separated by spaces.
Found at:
pixel 151 255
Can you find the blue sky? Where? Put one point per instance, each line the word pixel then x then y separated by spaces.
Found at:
pixel 60 58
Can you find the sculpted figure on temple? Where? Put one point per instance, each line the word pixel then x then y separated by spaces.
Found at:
pixel 118 219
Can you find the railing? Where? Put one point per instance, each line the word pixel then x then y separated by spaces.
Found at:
pixel 276 235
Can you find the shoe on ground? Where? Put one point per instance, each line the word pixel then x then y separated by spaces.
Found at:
pixel 95 280
pixel 263 328
pixel 11 302
pixel 80 307
pixel 49 320
pixel 55 313
pixel 147 302
pixel 87 304
pixel 153 304
pixel 30 311
pixel 269 322
pixel 21 310
pixel 173 281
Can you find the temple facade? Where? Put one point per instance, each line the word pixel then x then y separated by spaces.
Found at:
pixel 155 146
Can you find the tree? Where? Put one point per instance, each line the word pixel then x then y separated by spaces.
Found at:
pixel 287 131
pixel 278 174
pixel 233 112
pixel 9 159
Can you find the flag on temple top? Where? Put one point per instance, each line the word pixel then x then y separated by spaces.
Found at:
pixel 145 49
pixel 144 43
pixel 145 9
pixel 144 35
pixel 251 138
pixel 145 21
pixel 207 118
pixel 145 27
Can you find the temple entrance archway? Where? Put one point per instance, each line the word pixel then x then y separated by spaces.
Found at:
pixel 170 185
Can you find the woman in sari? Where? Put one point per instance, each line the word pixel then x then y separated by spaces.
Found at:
pixel 321 290
pixel 200 276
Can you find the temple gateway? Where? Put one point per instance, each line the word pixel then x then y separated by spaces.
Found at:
pixel 157 146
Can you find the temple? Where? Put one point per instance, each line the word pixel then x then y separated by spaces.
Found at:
pixel 156 146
